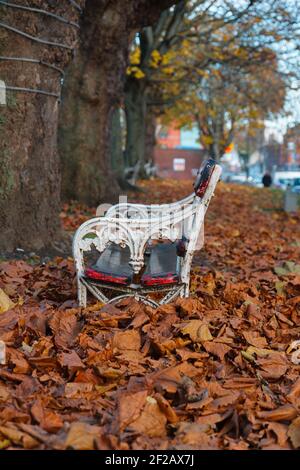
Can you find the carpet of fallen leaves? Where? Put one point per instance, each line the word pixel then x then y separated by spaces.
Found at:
pixel 213 371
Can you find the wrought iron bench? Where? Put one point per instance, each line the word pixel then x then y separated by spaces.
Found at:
pixel 145 251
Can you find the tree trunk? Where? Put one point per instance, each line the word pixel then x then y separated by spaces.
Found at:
pixel 29 166
pixel 29 175
pixel 91 91
pixel 135 108
pixel 150 137
pixel 93 88
pixel 117 157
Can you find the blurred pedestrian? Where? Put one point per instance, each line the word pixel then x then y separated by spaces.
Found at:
pixel 267 180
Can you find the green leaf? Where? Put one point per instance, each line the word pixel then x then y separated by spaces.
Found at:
pixel 289 267
pixel 279 286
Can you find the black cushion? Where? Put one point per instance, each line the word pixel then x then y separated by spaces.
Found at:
pixel 113 265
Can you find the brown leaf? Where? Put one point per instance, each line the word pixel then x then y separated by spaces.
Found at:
pixel 166 408
pixel 188 306
pixel 4 393
pixel 281 432
pixel 11 413
pixel 217 349
pixel 82 436
pixel 273 367
pixel 12 376
pixel 17 358
pixel 129 339
pixel 282 413
pixel 197 331
pixel 152 421
pixel 194 434
pixel 37 322
pixel 9 319
pixel 70 360
pixel 45 362
pixel 240 383
pixel 210 419
pixel 74 389
pixel 18 437
pixel 130 406
pixel 170 379
pixel 87 376
pixel 225 401
pixel 27 387
pixel 139 320
pixel 48 420
pixel 294 433
pixel 65 327
pixel 294 394
pixel 5 302
pixel 253 338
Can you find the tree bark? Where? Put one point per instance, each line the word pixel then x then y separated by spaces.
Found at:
pixel 135 109
pixel 116 151
pixel 29 166
pixel 93 89
pixel 150 136
pixel 30 173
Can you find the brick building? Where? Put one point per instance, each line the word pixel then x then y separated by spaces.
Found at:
pixel 178 153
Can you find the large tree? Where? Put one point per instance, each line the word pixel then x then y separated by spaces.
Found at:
pixel 92 93
pixel 170 59
pixel 36 43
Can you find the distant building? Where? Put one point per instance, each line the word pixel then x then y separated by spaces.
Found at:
pixel 178 153
pixel 291 147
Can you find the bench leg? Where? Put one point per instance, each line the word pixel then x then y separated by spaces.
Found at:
pixel 82 294
pixel 185 292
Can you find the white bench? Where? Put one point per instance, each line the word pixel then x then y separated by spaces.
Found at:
pixel 141 250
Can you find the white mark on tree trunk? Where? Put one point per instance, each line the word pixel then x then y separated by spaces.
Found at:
pixel 2 93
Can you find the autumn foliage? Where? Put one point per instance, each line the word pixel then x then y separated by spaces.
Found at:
pixel 212 371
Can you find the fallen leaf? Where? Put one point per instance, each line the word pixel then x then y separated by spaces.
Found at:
pixel 197 331
pixel 294 393
pixel 82 436
pixel 255 339
pixel 152 421
pixel 282 413
pixel 281 432
pixel 194 434
pixel 70 360
pixel 129 339
pixel 294 433
pixel 273 367
pixel 18 437
pixel 48 419
pixel 4 393
pixel 65 327
pixel 130 406
pixel 166 408
pixel 5 302
pixel 74 389
pixel 217 349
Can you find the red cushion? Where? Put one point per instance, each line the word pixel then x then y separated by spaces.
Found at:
pixel 104 277
pixel 159 279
